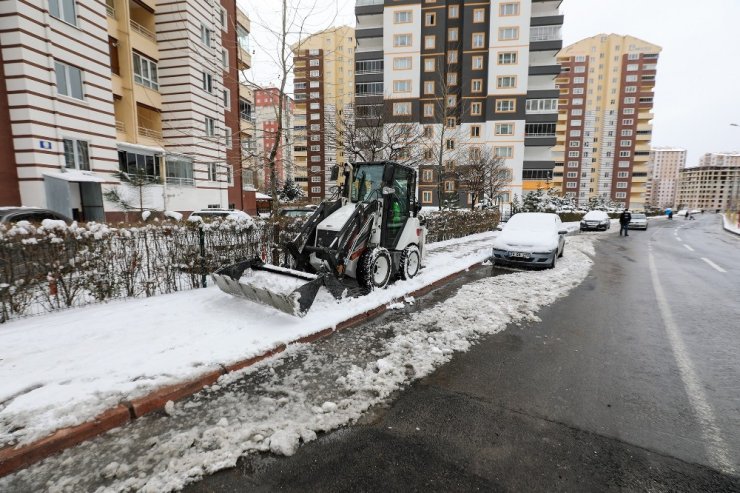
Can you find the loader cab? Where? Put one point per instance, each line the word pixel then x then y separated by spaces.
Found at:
pixel 396 185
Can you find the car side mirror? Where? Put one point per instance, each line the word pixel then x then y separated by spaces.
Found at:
pixel 563 232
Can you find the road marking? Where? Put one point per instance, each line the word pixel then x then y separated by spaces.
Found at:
pixel 715 266
pixel 678 238
pixel 688 247
pixel 715 445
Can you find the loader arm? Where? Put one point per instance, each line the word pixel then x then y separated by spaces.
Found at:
pixel 296 247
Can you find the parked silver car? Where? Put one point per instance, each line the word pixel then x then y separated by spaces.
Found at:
pixel 536 239
pixel 638 221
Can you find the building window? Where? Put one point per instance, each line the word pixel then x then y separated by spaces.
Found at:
pixel 401 40
pixel 452 78
pixel 620 195
pixel 578 90
pixel 628 111
pixel 507 9
pixel 507 58
pixel 477 62
pixel 402 17
pixel 227 99
pixel 629 100
pixel 475 131
pixel 623 174
pixel 580 69
pixel 69 80
pixel 430 42
pixel 506 81
pixel 451 101
pixel 574 153
pixel 313 73
pixel 625 143
pixel 630 89
pixel 402 109
pixel 508 33
pixel 207 82
pixel 453 12
pixel 476 85
pixel 476 108
pixel 479 40
pixel 475 153
pixel 449 186
pixel 624 153
pixel 452 34
pixel 399 63
pixel 227 138
pixel 571 174
pixel 504 129
pixel 572 164
pixel 401 86
pixel 428 110
pixel 451 122
pixel 479 15
pixel 503 151
pixel 626 133
pixel 64 10
pixel 76 154
pixel 505 106
pixel 210 127
pixel 430 19
pixel 428 87
pixel 451 57
pixel 205 35
pixel 450 144
pixel 429 65
pixel 621 184
pixel 632 67
pixel 145 72
pixel 212 171
pixel 627 122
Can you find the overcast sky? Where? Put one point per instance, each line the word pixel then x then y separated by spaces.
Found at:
pixel 697 93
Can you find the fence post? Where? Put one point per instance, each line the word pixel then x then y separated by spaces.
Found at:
pixel 202 241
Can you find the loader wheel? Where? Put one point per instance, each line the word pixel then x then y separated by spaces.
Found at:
pixel 375 268
pixel 410 262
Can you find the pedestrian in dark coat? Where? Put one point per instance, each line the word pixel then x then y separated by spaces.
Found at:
pixel 624 220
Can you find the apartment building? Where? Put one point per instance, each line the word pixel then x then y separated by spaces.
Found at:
pixel 714 184
pixel 133 86
pixel 604 128
pixel 266 117
pixel 664 165
pixel 324 98
pixel 470 76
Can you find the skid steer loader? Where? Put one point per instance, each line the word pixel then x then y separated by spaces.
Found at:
pixel 367 236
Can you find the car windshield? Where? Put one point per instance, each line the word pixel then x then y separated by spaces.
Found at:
pixel 296 213
pixel 367 182
pixel 638 216
pixel 595 216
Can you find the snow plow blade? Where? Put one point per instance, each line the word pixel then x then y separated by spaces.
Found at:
pixel 230 279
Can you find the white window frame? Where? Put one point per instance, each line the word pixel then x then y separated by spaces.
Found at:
pixel 205 35
pixel 148 71
pixel 210 127
pixel 76 153
pixel 65 71
pixel 60 9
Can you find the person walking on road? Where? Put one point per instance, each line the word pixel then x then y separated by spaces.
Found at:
pixel 624 220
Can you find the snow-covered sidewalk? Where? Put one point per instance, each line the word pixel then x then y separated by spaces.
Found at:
pixel 64 368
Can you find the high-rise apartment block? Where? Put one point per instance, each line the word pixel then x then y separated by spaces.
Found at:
pixel 664 165
pixel 324 97
pixel 141 87
pixel 267 110
pixel 714 184
pixel 470 76
pixel 604 130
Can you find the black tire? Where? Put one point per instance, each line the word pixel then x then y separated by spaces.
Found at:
pixel 554 258
pixel 410 262
pixel 562 251
pixel 376 267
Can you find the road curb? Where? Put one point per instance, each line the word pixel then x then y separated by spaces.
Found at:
pixel 14 458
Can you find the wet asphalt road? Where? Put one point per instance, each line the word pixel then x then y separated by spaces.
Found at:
pixel 631 383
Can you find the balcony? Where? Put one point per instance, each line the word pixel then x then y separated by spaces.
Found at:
pixel 120 126
pixel 245 59
pixel 150 133
pixel 544 70
pixel 138 28
pixel 110 9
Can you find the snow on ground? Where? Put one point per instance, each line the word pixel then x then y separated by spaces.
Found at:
pixel 729 226
pixel 311 388
pixel 64 368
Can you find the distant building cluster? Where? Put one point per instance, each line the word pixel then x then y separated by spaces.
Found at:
pixel 96 96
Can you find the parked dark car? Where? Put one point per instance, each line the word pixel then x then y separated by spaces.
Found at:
pixel 30 214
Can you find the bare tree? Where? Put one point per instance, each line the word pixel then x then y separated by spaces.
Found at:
pixel 482 175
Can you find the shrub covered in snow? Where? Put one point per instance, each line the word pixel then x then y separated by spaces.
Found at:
pixel 54 265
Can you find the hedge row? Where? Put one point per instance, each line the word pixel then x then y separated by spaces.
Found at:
pixel 56 266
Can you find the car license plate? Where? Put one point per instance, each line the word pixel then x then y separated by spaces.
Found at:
pixel 519 254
